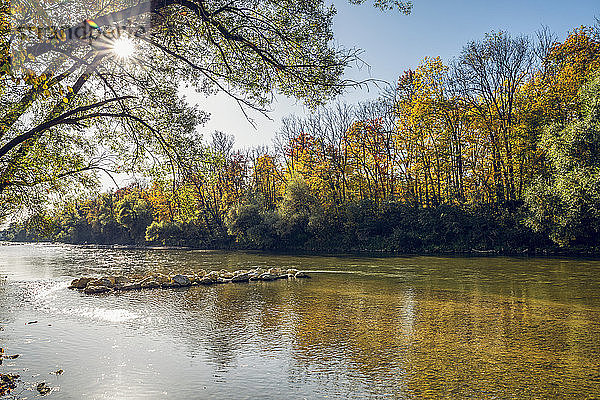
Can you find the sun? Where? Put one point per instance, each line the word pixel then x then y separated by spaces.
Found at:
pixel 123 47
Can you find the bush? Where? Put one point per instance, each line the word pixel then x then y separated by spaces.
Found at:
pixel 252 227
pixel 165 233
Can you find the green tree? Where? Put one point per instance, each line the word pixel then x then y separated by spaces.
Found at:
pixel 135 214
pixel 295 210
pixel 566 203
pixel 253 227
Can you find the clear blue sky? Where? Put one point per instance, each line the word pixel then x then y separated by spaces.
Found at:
pixel 393 43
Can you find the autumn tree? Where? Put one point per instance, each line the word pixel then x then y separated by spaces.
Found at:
pixel 267 178
pixel 73 80
pixel 491 73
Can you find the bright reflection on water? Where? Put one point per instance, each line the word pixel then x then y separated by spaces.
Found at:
pixel 403 327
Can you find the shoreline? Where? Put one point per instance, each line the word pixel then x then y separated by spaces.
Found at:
pixel 587 253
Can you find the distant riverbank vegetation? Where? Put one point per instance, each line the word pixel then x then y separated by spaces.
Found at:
pixel 497 150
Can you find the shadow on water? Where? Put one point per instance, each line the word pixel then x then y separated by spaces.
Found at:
pixel 404 327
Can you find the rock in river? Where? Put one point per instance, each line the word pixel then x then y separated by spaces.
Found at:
pixel 243 277
pixel 267 277
pixel 161 279
pixel 96 289
pixel 80 283
pixel 149 283
pixel 43 388
pixel 205 281
pixel 101 282
pixel 181 280
pixel 225 274
pixel 131 286
pixel 156 280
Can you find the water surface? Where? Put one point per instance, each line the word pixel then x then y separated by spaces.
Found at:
pixel 362 328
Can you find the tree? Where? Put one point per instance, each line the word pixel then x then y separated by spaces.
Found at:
pixel 566 203
pixel 565 67
pixel 253 227
pixel 70 109
pixel 402 6
pixel 267 179
pixel 135 214
pixel 295 210
pixel 491 73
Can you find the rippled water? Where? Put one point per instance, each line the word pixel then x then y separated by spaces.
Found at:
pixel 401 327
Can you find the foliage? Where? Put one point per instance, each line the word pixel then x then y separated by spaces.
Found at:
pixel 73 108
pixel 253 227
pixel 177 234
pixel 566 203
pixel 404 7
pixel 134 213
pixel 495 151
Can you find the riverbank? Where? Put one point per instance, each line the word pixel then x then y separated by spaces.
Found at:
pixel 362 228
pixel 552 251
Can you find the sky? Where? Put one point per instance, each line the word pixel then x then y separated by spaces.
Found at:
pixel 392 43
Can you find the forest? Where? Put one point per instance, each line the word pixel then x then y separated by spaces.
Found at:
pixel 496 150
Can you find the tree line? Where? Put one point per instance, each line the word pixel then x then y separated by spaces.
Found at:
pixel 499 149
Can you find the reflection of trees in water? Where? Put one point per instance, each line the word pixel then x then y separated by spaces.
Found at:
pixel 456 345
pixel 486 330
pixel 223 321
pixel 353 327
pixel 379 336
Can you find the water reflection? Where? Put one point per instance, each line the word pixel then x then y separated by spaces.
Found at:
pixel 367 328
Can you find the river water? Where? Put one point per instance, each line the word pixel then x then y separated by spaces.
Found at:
pixel 361 328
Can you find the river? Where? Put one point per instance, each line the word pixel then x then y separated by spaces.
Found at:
pixel 361 328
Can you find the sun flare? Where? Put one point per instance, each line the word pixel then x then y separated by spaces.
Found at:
pixel 123 47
